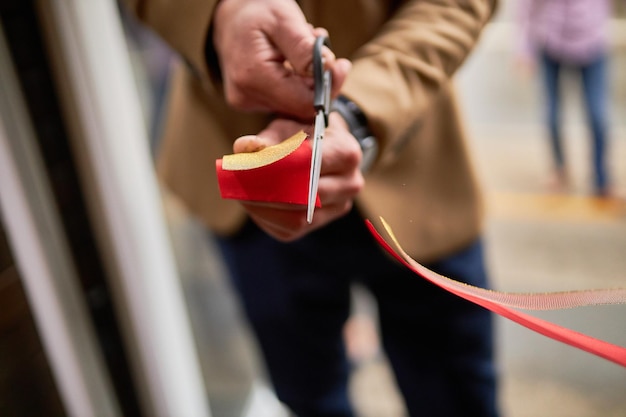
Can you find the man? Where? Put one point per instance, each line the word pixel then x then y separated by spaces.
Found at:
pixel 248 71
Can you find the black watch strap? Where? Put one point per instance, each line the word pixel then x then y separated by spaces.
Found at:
pixel 357 123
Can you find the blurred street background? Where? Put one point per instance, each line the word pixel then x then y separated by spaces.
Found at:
pixel 538 241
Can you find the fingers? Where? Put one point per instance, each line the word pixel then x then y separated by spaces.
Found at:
pixel 340 71
pixel 289 223
pixel 295 38
pixel 319 32
pixel 339 189
pixel 341 151
pixel 270 87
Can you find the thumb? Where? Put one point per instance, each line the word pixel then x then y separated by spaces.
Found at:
pixel 295 38
pixel 255 143
pixel 248 143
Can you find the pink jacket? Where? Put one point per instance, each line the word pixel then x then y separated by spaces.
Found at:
pixel 573 31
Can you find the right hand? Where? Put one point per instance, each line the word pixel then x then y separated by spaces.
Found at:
pixel 265 49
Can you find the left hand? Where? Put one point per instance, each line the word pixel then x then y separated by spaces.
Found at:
pixel 340 179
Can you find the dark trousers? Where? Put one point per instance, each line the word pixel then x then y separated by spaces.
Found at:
pixel 297 298
pixel 593 81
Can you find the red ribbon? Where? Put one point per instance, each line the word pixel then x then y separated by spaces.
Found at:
pixel 491 300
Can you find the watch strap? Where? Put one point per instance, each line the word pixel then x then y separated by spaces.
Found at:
pixel 357 124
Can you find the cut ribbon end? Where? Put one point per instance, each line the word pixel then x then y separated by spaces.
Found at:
pixel 506 304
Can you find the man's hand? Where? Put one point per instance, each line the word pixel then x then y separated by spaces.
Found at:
pixel 340 179
pixel 265 48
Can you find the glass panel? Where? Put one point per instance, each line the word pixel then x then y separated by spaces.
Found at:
pixel 228 357
pixel 26 385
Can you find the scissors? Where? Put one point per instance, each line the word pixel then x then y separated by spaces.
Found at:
pixel 321 103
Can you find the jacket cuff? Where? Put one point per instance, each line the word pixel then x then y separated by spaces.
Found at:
pixel 211 58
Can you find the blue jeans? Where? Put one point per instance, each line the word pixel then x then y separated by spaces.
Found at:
pixel 297 299
pixel 593 76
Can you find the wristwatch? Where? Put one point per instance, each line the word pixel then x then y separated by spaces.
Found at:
pixel 357 123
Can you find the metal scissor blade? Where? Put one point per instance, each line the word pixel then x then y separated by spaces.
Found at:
pixel 316 164
pixel 321 104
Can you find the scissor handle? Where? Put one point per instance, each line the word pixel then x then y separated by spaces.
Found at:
pixel 321 99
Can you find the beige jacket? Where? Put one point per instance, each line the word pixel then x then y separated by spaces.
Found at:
pixel 404 54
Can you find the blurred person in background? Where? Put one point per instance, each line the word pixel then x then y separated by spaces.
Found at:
pixel 247 70
pixel 570 34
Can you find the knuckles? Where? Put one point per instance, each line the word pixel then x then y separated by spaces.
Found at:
pixel 357 183
pixel 235 92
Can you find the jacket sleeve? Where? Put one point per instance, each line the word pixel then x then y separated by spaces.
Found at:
pixel 397 75
pixel 182 24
